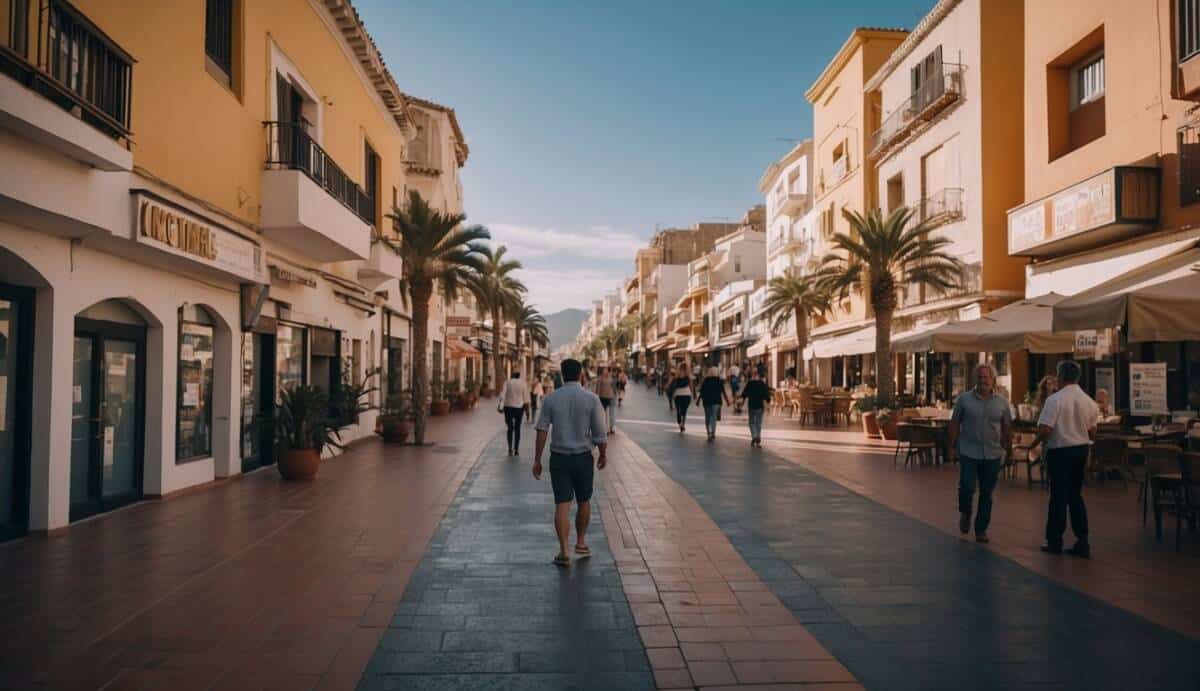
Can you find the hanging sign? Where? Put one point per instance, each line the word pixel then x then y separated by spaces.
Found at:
pixel 1147 388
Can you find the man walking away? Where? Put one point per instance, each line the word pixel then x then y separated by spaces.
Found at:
pixel 757 395
pixel 622 382
pixel 980 434
pixel 1066 426
pixel 514 399
pixel 604 388
pixel 712 393
pixel 681 393
pixel 575 420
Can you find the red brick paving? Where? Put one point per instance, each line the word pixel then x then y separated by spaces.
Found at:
pixel 251 584
pixel 704 615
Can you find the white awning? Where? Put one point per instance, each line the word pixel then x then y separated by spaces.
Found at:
pixel 858 342
pixel 1022 325
pixel 759 348
pixel 1157 302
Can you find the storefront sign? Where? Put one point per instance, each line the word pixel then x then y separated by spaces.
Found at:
pixel 1085 344
pixel 1037 228
pixel 1147 388
pixel 282 273
pixel 177 232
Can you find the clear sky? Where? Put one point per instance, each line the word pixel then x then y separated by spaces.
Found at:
pixel 592 123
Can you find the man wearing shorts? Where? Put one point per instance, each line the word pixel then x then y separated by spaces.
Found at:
pixel 574 420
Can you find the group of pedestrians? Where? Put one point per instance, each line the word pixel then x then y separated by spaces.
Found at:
pixel 980 436
pixel 681 390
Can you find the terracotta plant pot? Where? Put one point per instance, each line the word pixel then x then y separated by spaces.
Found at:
pixel 438 408
pixel 299 465
pixel 870 425
pixel 394 430
pixel 887 430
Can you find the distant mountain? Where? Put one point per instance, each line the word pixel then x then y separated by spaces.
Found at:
pixel 564 326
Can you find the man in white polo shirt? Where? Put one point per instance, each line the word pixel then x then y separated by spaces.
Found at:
pixel 1065 429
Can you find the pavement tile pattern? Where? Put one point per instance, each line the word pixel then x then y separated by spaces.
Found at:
pixel 902 604
pixel 485 608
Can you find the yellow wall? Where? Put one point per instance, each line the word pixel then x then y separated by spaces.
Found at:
pixel 1141 116
pixel 840 116
pixel 198 135
pixel 1002 96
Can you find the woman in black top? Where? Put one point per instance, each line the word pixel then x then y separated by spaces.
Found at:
pixel 682 391
pixel 757 394
pixel 712 393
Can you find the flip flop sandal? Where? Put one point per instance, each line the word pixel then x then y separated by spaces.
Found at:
pixel 561 559
pixel 583 551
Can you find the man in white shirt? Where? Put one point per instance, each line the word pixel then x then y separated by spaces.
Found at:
pixel 514 399
pixel 1065 430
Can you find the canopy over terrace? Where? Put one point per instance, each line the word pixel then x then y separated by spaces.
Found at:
pixel 1157 302
pixel 1022 325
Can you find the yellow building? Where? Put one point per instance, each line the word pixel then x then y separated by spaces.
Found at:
pixel 843 176
pixel 1112 182
pixel 198 222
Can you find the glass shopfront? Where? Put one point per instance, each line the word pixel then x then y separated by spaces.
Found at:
pixel 193 402
pixel 16 359
pixel 291 356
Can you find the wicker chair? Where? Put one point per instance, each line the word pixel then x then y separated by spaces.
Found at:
pixel 841 410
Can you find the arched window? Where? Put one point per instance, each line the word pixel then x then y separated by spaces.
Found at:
pixel 193 401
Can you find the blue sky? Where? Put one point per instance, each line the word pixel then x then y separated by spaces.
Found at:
pixel 592 123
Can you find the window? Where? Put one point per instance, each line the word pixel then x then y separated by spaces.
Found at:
pixel 1088 81
pixel 218 37
pixel 927 79
pixel 193 403
pixel 1187 26
pixel 291 356
pixel 1188 138
pixel 737 264
pixel 371 178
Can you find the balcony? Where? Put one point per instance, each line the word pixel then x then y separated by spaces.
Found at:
pixel 84 77
pixel 785 242
pixel 1114 205
pixel 926 102
pixel 309 203
pixel 792 204
pixel 382 265
pixel 943 206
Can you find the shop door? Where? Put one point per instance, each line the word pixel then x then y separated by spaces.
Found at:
pixel 258 400
pixel 16 360
pixel 107 416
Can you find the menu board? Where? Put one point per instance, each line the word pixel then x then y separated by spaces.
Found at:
pixel 1105 381
pixel 1147 388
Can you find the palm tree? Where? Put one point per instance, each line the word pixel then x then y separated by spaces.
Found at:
pixel 611 338
pixel 436 248
pixel 497 292
pixel 879 256
pixel 529 322
pixel 799 299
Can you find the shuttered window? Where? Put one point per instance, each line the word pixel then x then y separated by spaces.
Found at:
pixel 1187 23
pixel 218 34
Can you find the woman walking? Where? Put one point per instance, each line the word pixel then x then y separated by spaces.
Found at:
pixel 683 390
pixel 712 393
pixel 514 401
pixel 535 395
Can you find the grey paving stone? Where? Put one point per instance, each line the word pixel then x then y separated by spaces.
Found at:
pixel 901 604
pixel 485 609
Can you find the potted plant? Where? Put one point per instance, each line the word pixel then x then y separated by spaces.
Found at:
pixel 439 405
pixel 303 429
pixel 395 422
pixel 452 394
pixel 352 400
pixel 871 409
pixel 472 393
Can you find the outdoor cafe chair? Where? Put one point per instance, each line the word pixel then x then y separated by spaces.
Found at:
pixel 1022 452
pixel 1108 453
pixel 841 410
pixel 919 442
pixel 1148 461
pixel 1188 508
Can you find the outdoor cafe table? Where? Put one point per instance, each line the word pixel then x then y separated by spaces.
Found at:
pixel 940 427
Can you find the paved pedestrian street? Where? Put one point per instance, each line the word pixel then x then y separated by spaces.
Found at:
pixel 714 566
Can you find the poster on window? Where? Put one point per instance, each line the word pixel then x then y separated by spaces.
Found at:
pixel 1105 381
pixel 1147 388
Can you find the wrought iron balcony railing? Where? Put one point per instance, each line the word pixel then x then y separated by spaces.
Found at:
pixel 943 206
pixel 929 99
pixel 73 63
pixel 290 147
